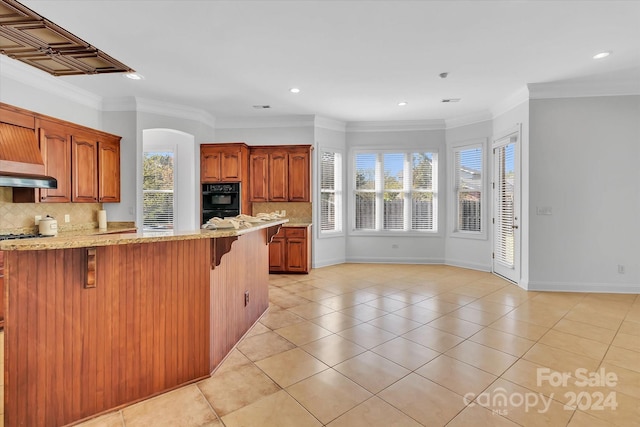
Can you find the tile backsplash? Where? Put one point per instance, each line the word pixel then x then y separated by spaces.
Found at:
pixel 296 211
pixel 19 217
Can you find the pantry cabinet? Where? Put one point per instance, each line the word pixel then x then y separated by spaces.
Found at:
pixel 290 250
pixel 280 173
pixel 222 162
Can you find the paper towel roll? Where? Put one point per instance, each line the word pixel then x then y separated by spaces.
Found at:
pixel 102 219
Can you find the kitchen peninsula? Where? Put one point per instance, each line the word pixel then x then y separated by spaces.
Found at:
pixel 97 322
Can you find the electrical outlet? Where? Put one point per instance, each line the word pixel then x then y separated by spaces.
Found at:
pixel 67 218
pixel 37 219
pixel 620 269
pixel 246 298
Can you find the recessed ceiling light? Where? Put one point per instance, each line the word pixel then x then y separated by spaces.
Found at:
pixel 294 90
pixel 601 55
pixel 134 76
pixel 402 103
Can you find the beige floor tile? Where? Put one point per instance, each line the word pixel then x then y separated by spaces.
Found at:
pixel 519 328
pixel 438 305
pixel 584 314
pixel 184 407
pixel 475 316
pixel 328 394
pixel 538 313
pixel 276 319
pixel 628 341
pixel 433 338
pixel 580 419
pixel 630 328
pixel 363 312
pixel 287 301
pixel 540 411
pixel 574 344
pixel 425 401
pixel 457 376
pixel 333 349
pixel 455 326
pixel 490 306
pixel 585 330
pixel 230 390
pixel 310 310
pixel 395 324
pixel 624 358
pixel 627 381
pixel 302 333
pixel 507 343
pixel 371 371
pixel 454 298
pixel 387 304
pixel 560 299
pixel 336 321
pixel 511 297
pixel 264 345
pixel 366 335
pixel 626 413
pixel 113 419
pixel 291 366
pixel 276 410
pixel 374 412
pixel 316 294
pixel 482 357
pixel 558 359
pixel 418 314
pixel 257 329
pixel 405 353
pixel 478 416
pixel 407 297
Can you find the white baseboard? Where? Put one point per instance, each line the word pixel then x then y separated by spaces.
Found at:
pixel 375 260
pixel 327 262
pixel 469 265
pixel 610 288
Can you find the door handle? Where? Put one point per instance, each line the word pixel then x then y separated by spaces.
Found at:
pixel 514 226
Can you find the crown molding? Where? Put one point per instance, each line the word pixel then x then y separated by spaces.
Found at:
pixel 265 122
pixel 396 126
pixel 331 124
pixel 510 102
pixel 582 89
pixel 469 119
pixel 144 105
pixel 40 80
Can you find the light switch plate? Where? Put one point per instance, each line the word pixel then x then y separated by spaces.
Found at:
pixel 543 210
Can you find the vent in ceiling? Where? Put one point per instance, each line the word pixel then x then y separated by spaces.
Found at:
pixel 451 100
pixel 32 39
pixel 261 107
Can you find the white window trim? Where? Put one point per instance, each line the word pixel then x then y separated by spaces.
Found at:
pixel 392 233
pixel 452 209
pixel 155 148
pixel 333 233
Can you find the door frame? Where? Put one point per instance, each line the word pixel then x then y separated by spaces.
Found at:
pixel 514 274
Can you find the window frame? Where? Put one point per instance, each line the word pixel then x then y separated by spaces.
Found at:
pixel 452 211
pixel 162 149
pixel 338 191
pixel 379 192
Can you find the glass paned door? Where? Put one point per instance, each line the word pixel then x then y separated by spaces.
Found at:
pixel 506 205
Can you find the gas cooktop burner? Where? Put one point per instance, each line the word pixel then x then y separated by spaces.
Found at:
pixel 19 236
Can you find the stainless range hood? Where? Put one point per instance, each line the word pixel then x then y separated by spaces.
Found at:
pixel 21 163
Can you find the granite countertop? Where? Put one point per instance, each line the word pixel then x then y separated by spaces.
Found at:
pixel 96 237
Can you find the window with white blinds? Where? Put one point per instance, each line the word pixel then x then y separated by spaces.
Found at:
pixel 468 188
pixel 504 245
pixel 330 192
pixel 157 190
pixel 395 191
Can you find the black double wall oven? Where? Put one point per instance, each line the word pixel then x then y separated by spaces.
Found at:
pixel 220 200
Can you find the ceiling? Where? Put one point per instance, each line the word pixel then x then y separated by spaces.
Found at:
pixel 352 60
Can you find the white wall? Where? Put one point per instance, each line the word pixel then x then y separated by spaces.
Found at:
pixel 460 251
pixel 414 249
pixel 281 135
pixel 585 166
pixel 328 250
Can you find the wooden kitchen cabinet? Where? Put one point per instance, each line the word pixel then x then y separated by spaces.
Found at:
pixel 290 251
pixel 280 173
pixel 84 168
pixel 222 162
pixel 55 146
pixel 2 289
pixel 109 170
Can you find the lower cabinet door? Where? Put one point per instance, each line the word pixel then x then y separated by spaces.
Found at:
pixel 277 254
pixel 296 255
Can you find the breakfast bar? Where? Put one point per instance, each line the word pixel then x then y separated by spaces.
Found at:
pixel 97 322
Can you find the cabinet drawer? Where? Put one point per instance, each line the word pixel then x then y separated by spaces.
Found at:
pixel 295 232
